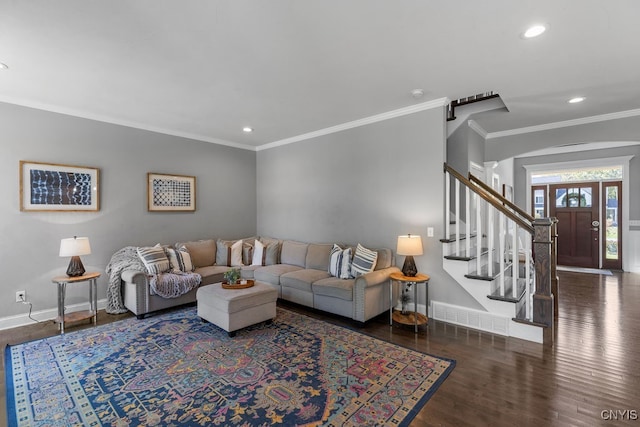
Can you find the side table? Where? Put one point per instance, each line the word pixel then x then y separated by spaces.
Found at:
pixel 415 318
pixel 75 316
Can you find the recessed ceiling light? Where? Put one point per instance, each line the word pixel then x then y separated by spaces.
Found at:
pixel 3 66
pixel 417 93
pixel 576 99
pixel 247 129
pixel 534 31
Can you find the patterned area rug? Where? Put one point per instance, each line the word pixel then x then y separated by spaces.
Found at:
pixel 175 370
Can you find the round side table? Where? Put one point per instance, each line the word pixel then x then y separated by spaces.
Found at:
pixel 414 318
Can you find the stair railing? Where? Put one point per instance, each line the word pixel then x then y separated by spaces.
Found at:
pixel 489 216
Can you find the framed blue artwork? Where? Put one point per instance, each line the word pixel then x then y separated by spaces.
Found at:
pixel 55 187
pixel 171 193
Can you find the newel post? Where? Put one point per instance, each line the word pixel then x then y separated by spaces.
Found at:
pixel 554 265
pixel 543 297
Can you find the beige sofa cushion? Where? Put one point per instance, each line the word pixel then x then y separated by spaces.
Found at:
pixel 318 256
pixel 202 252
pixel 271 273
pixel 294 253
pixel 302 279
pixel 385 258
pixel 334 287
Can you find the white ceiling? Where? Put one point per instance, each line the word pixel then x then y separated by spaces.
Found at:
pixel 205 69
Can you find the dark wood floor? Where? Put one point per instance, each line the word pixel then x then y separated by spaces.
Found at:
pixel 593 366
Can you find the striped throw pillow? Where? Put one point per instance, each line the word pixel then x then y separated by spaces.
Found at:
pixel 364 261
pixel 154 259
pixel 180 260
pixel 340 262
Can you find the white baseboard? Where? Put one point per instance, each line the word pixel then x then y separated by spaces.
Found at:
pixel 43 315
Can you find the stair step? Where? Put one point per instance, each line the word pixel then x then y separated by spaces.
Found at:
pixel 508 297
pixel 452 238
pixel 529 322
pixel 484 275
pixel 463 257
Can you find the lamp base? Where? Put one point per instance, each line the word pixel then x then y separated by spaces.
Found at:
pixel 75 268
pixel 409 268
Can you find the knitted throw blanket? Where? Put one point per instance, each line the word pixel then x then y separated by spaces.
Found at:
pixel 166 285
pixel 125 259
pixel 174 284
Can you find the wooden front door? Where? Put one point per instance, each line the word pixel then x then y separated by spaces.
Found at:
pixel 577 208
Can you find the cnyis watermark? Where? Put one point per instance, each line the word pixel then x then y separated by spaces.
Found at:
pixel 619 415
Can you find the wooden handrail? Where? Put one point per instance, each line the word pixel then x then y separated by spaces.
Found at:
pixel 490 198
pixel 474 179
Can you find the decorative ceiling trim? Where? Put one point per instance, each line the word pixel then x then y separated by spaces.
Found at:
pixel 477 128
pixel 440 102
pixel 119 122
pixel 563 124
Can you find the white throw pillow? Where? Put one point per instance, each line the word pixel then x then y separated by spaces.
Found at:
pixel 258 253
pixel 236 254
pixel 180 260
pixel 340 262
pixel 154 259
pixel 364 261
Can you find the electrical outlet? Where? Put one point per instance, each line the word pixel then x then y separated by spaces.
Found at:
pixel 21 296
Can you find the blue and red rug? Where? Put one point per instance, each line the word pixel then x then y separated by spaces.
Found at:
pixel 174 370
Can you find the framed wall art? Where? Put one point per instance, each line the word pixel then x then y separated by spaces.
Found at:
pixel 171 193
pixel 54 187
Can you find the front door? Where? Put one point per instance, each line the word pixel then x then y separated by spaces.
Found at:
pixel 576 206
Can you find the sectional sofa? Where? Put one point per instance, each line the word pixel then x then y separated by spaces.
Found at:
pixel 299 271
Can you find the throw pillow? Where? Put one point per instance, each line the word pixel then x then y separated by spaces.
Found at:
pixel 259 253
pixel 236 254
pixel 180 260
pixel 247 252
pixel 340 262
pixel 272 249
pixel 364 261
pixel 154 259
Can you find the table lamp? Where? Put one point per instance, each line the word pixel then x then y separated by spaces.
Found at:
pixel 74 247
pixel 409 246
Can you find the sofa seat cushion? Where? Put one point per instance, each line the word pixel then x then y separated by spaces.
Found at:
pixel 334 287
pixel 272 273
pixel 212 273
pixel 302 279
pixel 247 271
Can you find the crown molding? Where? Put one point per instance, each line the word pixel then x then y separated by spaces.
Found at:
pixel 563 124
pixel 119 122
pixel 477 128
pixel 440 102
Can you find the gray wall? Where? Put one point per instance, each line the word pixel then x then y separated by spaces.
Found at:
pixel 226 198
pixel 369 185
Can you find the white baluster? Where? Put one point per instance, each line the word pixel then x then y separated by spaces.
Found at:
pixel 447 205
pixel 457 217
pixel 478 233
pixel 490 238
pixel 467 218
pixel 515 260
pixel 501 238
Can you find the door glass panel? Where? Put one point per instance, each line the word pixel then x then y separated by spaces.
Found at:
pixel 611 223
pixel 573 197
pixel 538 207
pixel 585 197
pixel 561 200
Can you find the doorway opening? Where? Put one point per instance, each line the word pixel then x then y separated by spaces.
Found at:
pixel 587 203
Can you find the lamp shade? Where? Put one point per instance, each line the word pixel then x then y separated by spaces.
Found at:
pixel 409 245
pixel 75 246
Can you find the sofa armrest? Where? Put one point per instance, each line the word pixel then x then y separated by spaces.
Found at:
pixel 374 278
pixel 134 276
pixel 371 294
pixel 135 290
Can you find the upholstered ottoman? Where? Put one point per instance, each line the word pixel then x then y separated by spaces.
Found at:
pixel 233 309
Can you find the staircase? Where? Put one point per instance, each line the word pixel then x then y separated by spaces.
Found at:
pixel 488 249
